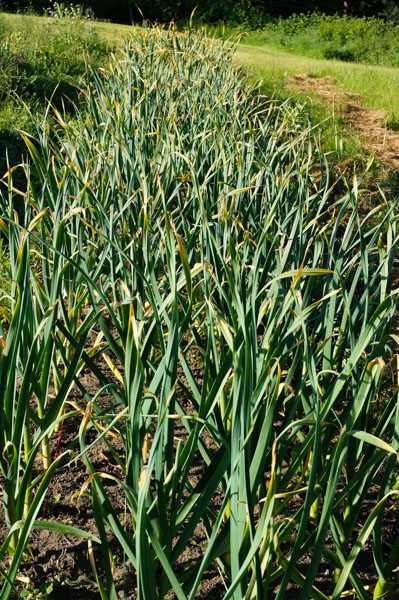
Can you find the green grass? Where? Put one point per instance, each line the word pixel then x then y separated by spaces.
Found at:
pixel 377 86
pixel 42 58
pixel 37 61
pixel 109 32
pixel 305 44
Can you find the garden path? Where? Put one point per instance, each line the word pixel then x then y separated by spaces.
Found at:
pixel 370 124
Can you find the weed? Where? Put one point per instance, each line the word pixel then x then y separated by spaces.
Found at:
pixel 392 122
pixel 43 592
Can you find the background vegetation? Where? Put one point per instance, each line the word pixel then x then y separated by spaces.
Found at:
pixel 363 40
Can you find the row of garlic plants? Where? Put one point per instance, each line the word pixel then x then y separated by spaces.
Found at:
pixel 183 242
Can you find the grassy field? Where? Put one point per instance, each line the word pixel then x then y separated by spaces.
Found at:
pixel 36 64
pixel 378 86
pixel 198 344
pixel 301 45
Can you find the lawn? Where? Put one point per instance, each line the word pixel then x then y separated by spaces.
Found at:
pixel 378 86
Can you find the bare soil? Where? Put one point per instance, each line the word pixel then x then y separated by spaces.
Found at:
pixel 63 560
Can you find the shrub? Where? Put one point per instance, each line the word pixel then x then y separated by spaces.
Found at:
pixel 337 52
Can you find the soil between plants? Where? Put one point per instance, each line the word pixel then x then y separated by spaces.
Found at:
pixel 63 560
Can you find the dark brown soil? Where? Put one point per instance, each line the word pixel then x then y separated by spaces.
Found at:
pixel 64 560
